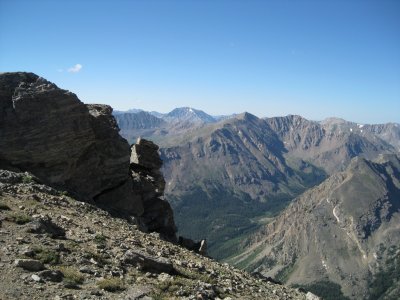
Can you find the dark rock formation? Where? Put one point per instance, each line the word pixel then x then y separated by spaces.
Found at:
pixel 29 264
pixel 51 275
pixel 44 225
pixel 148 262
pixel 50 133
pixel 149 183
pixel 198 247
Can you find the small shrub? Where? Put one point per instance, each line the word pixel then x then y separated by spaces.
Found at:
pixel 100 239
pixel 285 272
pixel 4 207
pixel 31 203
pixel 196 276
pixel 72 276
pixel 19 218
pixel 47 256
pixel 63 193
pixel 99 258
pixel 111 285
pixel 27 178
pixel 157 296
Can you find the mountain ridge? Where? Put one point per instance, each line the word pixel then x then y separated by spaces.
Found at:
pixel 246 159
pixel 338 230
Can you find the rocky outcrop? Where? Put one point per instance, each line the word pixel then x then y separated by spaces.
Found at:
pixel 44 225
pixel 149 183
pixel 29 264
pixel 148 262
pixel 49 132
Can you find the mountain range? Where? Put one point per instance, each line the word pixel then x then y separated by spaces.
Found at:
pixel 345 228
pixel 229 179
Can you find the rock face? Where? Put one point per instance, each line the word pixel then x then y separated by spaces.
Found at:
pixel 49 132
pixel 149 183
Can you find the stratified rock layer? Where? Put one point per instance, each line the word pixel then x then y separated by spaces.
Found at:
pixel 149 183
pixel 49 132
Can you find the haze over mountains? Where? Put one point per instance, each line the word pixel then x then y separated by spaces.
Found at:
pixel 227 177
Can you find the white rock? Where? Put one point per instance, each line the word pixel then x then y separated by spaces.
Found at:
pixel 36 278
pixel 311 296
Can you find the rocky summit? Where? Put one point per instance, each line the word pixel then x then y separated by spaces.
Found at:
pixel 82 214
pixel 75 147
pixel 49 132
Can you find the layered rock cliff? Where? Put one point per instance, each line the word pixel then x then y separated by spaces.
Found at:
pixel 49 132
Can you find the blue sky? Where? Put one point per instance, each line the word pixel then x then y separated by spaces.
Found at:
pixel 313 58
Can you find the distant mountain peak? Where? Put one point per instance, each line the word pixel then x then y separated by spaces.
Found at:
pixel 333 120
pixel 189 114
pixel 247 116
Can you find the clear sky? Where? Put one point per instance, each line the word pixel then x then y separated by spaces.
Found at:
pixel 313 58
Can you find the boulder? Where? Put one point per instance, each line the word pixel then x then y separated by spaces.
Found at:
pixel 51 275
pixel 311 296
pixel 44 225
pixel 29 264
pixel 145 154
pixel 148 262
pixel 196 246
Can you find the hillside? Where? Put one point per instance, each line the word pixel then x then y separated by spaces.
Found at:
pixel 344 233
pixel 55 247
